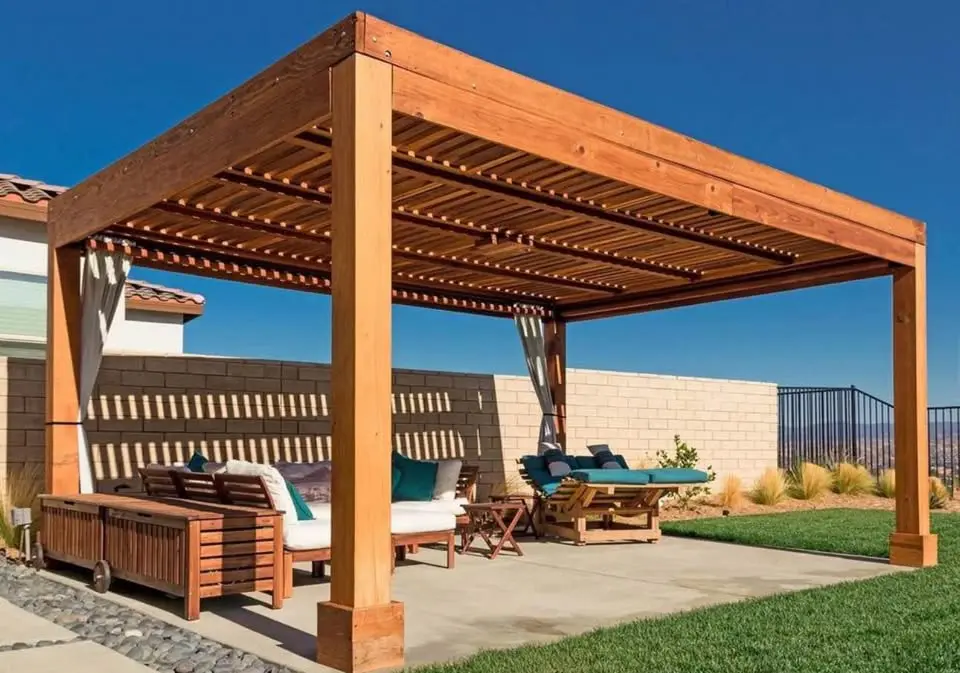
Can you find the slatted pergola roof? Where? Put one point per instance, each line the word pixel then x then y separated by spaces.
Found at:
pixel 378 165
pixel 505 192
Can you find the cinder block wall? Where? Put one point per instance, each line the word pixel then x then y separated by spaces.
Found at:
pixel 159 409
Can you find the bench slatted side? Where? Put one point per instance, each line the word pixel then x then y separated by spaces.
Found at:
pixel 159 482
pixel 196 486
pixel 467 482
pixel 243 489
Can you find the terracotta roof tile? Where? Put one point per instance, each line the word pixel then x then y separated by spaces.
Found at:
pixel 14 187
pixel 153 292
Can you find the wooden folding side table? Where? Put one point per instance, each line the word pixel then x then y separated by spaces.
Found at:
pixel 494 520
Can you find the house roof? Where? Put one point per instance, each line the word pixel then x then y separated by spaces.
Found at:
pixel 139 294
pixel 15 188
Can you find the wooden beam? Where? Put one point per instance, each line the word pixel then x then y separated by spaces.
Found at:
pixel 62 457
pixel 734 287
pixel 675 155
pixel 362 378
pixel 911 544
pixel 566 142
pixel 555 334
pixel 291 94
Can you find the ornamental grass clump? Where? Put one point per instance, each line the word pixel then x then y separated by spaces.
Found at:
pixel 731 492
pixel 770 488
pixel 852 479
pixel 887 484
pixel 809 481
pixel 939 494
pixel 19 488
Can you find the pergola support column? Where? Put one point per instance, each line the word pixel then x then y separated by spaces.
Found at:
pixel 911 544
pixel 62 460
pixel 360 628
pixel 555 336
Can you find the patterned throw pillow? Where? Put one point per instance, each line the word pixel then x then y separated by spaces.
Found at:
pixel 556 462
pixel 604 457
pixel 311 479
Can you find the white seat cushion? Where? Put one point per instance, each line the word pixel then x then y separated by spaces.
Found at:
pixel 407 517
pixel 307 535
pixel 446 506
pixel 405 521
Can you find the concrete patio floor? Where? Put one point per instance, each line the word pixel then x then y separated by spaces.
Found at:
pixel 510 601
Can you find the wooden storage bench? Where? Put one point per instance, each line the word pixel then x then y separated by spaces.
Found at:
pixel 190 549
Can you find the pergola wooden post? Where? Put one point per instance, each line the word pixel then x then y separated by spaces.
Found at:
pixel 911 544
pixel 555 335
pixel 360 629
pixel 63 371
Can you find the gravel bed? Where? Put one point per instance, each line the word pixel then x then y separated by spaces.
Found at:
pixel 149 641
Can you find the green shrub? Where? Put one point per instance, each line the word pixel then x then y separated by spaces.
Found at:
pixel 685 456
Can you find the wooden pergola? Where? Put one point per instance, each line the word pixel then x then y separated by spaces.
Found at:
pixel 379 166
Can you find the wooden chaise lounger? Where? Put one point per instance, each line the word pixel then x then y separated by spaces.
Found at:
pixel 604 505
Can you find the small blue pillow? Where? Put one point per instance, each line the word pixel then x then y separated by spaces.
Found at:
pixel 299 504
pixel 197 461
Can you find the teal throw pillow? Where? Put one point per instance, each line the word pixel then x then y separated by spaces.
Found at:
pixel 417 480
pixel 197 461
pixel 299 504
pixel 395 475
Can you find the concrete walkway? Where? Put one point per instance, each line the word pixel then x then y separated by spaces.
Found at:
pixel 43 647
pixel 555 590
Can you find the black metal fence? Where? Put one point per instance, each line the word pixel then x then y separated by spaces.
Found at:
pixel 830 425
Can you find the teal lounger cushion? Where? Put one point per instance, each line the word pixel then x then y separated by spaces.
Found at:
pixel 304 513
pixel 417 479
pixel 197 461
pixel 607 476
pixel 676 475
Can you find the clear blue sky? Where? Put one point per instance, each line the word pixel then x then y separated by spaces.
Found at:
pixel 860 96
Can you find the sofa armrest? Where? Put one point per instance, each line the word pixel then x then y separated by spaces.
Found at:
pixel 467 482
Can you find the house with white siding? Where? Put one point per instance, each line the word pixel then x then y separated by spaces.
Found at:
pixel 150 320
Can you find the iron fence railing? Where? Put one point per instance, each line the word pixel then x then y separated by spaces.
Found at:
pixel 830 425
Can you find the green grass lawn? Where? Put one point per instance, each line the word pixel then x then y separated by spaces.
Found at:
pixel 901 623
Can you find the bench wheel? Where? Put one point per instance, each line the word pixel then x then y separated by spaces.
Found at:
pixel 101 577
pixel 38 561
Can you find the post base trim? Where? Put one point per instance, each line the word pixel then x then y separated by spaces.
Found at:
pixel 357 640
pixel 913 550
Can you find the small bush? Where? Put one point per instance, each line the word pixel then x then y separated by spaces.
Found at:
pixel 686 456
pixel 887 484
pixel 809 481
pixel 770 488
pixel 19 488
pixel 731 493
pixel 939 495
pixel 851 479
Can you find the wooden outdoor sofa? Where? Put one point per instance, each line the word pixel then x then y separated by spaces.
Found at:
pixel 601 505
pixel 252 491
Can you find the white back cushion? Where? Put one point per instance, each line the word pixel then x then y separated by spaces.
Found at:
pixel 276 486
pixel 448 474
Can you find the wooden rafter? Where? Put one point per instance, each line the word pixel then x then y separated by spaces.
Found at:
pixel 322 198
pixel 530 195
pixel 235 267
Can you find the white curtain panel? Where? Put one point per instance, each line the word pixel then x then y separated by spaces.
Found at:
pixel 532 339
pixel 104 276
